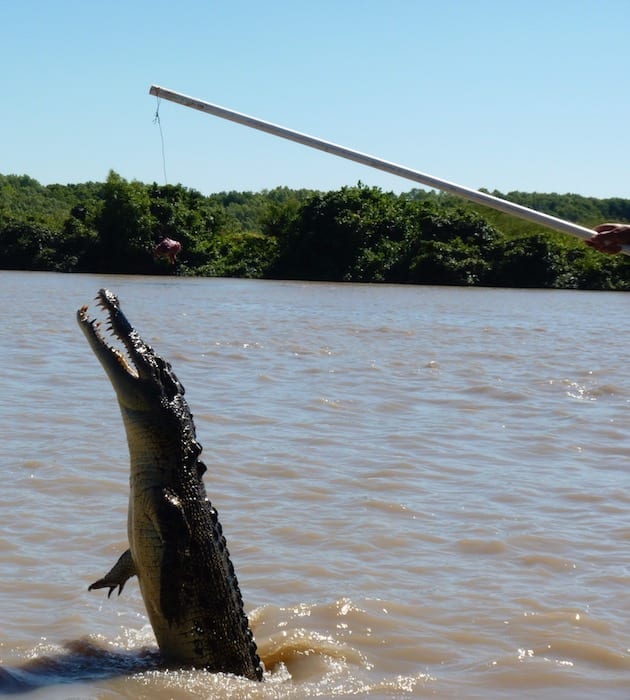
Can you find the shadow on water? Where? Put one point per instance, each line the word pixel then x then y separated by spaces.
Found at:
pixel 81 661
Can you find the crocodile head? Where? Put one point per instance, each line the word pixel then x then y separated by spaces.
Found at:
pixel 140 377
pixel 150 396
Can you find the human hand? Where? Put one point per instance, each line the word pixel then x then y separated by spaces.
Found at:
pixel 609 238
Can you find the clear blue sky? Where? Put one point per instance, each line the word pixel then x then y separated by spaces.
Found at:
pixel 502 94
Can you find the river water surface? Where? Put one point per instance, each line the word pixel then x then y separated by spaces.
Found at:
pixel 425 491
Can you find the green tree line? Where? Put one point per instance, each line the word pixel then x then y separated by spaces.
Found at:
pixel 355 234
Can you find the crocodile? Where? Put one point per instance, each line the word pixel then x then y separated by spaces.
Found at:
pixel 177 548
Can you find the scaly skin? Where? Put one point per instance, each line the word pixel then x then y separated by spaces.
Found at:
pixel 176 544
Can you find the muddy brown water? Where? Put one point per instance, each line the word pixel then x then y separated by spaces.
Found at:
pixel 425 491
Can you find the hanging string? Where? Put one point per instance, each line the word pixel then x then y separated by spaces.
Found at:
pixel 156 120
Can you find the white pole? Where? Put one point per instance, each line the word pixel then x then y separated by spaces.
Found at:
pixel 434 182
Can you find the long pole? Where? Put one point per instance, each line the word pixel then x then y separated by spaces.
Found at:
pixel 365 159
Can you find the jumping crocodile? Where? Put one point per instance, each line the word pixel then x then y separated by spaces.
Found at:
pixel 176 544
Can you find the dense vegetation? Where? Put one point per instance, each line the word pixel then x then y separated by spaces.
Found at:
pixel 357 234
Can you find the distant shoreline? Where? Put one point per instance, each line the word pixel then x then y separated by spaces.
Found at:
pixel 355 234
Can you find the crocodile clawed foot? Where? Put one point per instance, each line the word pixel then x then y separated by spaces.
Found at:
pixel 122 570
pixel 107 583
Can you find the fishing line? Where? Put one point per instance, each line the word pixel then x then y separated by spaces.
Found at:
pixel 156 120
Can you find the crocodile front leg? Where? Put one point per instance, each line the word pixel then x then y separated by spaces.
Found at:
pixel 122 570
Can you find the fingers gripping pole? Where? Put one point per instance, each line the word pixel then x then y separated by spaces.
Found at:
pixel 372 162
